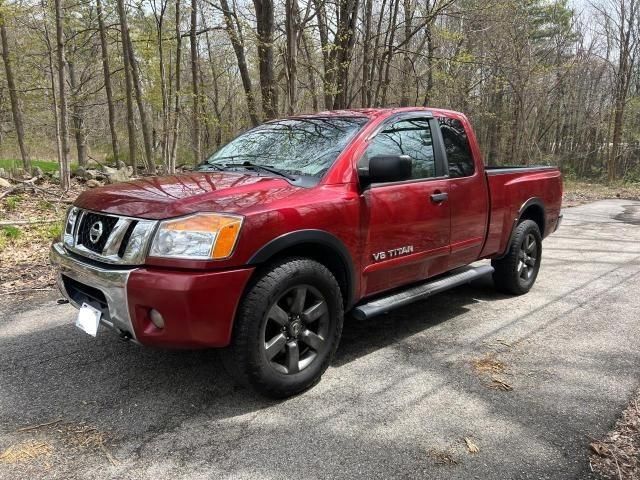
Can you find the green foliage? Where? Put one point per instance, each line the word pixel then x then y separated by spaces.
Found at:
pixel 44 205
pixel 12 202
pixel 10 232
pixel 53 231
pixel 13 164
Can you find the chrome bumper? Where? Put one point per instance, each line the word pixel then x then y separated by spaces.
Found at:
pixel 111 283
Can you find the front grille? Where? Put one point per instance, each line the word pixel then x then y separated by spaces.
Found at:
pixel 116 239
pixel 90 220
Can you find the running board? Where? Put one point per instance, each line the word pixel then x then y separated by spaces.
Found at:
pixel 420 292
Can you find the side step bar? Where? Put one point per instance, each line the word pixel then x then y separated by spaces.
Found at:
pixel 413 294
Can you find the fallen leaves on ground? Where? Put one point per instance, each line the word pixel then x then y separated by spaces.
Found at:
pixel 498 384
pixel 54 439
pixel 617 456
pixel 488 364
pixel 471 446
pixel 26 452
pixel 578 193
pixel 442 457
pixel 24 248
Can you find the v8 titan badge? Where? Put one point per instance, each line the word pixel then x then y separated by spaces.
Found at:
pixel 394 252
pixel 88 319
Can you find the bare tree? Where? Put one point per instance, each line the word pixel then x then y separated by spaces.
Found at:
pixel 194 82
pixel 126 58
pixel 13 95
pixel 177 104
pixel 107 81
pixel 234 31
pixel 264 30
pixel 65 174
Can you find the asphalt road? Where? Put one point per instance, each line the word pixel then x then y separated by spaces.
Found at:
pixel 398 401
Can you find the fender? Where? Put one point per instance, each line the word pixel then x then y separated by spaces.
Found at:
pixel 532 201
pixel 310 237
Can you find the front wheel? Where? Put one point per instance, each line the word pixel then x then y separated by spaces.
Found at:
pixel 516 272
pixel 287 328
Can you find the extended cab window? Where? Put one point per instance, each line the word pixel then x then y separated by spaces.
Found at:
pixel 457 147
pixel 407 137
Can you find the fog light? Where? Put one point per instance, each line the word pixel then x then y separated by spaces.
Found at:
pixel 156 318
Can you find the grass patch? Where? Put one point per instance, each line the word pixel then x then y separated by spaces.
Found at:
pixel 46 165
pixel 10 232
pixel 12 203
pixel 52 231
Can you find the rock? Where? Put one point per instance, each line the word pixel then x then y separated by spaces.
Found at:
pixel 37 172
pixel 79 172
pixel 4 183
pixel 93 183
pixel 121 164
pixel 120 175
pixel 92 174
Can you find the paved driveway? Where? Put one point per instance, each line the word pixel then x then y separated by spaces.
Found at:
pixel 398 401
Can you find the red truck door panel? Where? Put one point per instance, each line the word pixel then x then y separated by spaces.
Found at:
pixel 407 223
pixel 468 195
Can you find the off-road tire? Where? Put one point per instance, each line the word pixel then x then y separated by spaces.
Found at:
pixel 508 276
pixel 247 358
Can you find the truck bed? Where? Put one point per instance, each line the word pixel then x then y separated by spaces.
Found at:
pixel 510 187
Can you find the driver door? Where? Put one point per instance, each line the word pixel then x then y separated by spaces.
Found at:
pixel 407 222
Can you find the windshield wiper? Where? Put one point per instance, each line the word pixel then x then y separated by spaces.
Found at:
pixel 264 168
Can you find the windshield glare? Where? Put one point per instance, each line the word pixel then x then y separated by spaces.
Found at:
pixel 306 146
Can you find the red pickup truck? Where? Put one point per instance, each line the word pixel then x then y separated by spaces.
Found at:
pixel 266 245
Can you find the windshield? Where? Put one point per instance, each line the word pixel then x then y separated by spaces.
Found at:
pixel 302 146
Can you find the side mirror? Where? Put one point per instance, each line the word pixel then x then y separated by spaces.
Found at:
pixel 387 168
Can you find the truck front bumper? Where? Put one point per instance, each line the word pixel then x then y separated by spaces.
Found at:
pixel 198 308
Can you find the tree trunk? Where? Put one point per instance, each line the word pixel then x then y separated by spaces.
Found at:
pixel 292 22
pixel 13 94
pixel 54 95
pixel 216 87
pixel 107 82
pixel 268 88
pixel 79 129
pixel 365 94
pixel 406 57
pixel 194 83
pixel 131 128
pixel 65 174
pixel 345 40
pixel 177 106
pixel 235 36
pixel 159 17
pixel 311 78
pixel 137 88
pixel 389 56
pixel 329 73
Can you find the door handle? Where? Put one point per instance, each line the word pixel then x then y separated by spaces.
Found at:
pixel 439 197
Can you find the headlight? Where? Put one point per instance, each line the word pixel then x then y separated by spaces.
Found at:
pixel 69 226
pixel 203 236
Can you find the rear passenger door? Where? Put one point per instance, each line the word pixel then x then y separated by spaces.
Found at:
pixel 407 222
pixel 468 194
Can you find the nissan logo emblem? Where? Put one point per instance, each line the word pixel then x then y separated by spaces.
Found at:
pixel 95 232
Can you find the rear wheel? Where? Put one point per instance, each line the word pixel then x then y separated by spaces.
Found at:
pixel 516 272
pixel 287 329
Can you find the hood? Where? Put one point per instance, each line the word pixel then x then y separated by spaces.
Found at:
pixel 174 195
